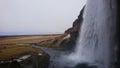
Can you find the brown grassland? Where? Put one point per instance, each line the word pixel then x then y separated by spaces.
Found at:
pixel 26 39
pixel 10 47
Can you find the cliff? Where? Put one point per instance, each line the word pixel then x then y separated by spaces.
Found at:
pixel 74 31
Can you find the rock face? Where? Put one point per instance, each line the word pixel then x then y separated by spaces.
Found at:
pixel 117 63
pixel 13 56
pixel 74 31
pixel 76 24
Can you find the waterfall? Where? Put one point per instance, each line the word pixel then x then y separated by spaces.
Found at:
pixel 97 40
pixel 97 35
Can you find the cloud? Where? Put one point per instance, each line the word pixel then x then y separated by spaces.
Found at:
pixel 38 16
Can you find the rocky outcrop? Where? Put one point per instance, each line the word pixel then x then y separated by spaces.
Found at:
pixel 55 42
pixel 76 24
pixel 23 56
pixel 74 31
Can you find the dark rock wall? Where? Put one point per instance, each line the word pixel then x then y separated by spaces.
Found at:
pixel 117 64
pixel 74 31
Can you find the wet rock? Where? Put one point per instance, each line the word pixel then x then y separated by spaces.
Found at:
pixel 84 65
pixel 13 64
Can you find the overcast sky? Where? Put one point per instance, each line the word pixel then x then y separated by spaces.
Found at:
pixel 18 17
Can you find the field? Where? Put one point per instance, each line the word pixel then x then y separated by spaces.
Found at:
pixel 30 39
pixel 12 47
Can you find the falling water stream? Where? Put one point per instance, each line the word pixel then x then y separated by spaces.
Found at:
pixel 97 38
